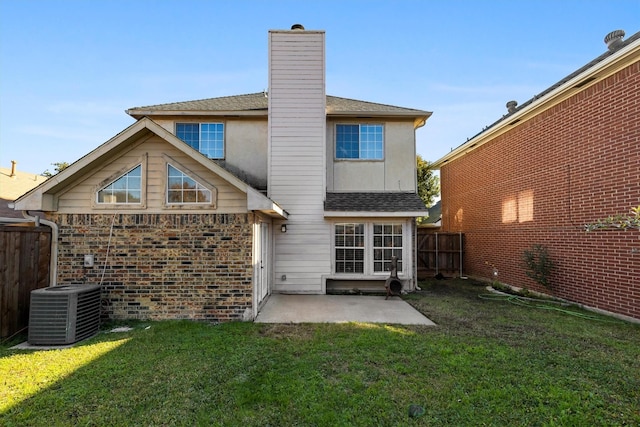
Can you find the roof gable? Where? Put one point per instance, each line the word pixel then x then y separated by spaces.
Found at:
pixel 41 197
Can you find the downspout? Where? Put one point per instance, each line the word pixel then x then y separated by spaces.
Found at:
pixel 53 264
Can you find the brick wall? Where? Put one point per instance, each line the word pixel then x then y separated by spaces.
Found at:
pixel 162 266
pixel 542 181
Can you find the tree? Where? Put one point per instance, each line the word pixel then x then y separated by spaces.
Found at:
pixel 623 222
pixel 59 167
pixel 428 183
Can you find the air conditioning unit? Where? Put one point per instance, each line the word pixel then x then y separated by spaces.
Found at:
pixel 64 314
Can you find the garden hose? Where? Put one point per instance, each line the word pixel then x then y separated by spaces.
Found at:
pixel 543 305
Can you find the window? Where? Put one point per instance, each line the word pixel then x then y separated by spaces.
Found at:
pixel 363 142
pixel 387 242
pixel 182 189
pixel 367 248
pixel 207 138
pixel 126 189
pixel 349 248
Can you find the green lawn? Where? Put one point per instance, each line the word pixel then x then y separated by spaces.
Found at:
pixel 488 362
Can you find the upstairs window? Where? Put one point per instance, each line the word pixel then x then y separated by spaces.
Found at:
pixel 364 142
pixel 207 138
pixel 127 189
pixel 183 189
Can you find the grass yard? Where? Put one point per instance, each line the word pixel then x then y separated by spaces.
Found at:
pixel 488 362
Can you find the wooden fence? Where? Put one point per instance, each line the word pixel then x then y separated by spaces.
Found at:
pixel 439 253
pixel 25 254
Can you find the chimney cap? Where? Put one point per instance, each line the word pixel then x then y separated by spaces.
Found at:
pixel 613 39
pixel 297 27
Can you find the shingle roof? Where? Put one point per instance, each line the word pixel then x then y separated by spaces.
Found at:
pixel 373 202
pixel 256 102
pixel 12 187
pixel 577 72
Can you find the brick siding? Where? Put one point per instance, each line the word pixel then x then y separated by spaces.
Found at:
pixel 162 266
pixel 540 182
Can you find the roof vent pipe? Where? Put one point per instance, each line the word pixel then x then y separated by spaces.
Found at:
pixel 13 168
pixel 511 106
pixel 297 27
pixel 614 39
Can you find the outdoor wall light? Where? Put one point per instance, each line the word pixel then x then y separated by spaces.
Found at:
pixel 283 228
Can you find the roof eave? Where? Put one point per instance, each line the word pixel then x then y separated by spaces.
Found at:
pixel 138 114
pixel 41 197
pixel 375 214
pixel 600 71
pixel 419 117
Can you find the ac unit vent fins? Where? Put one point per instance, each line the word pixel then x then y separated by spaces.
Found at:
pixel 64 314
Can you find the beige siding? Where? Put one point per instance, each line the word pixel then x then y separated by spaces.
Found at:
pixel 395 173
pixel 297 170
pixel 245 145
pixel 153 154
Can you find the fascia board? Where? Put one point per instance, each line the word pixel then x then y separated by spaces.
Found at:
pixel 139 114
pixel 257 201
pixel 373 214
pixel 36 200
pixel 603 69
pixel 59 179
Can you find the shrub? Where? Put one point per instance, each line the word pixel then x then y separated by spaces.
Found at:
pixel 538 264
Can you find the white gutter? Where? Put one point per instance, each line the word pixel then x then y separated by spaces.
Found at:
pixel 53 264
pixel 569 88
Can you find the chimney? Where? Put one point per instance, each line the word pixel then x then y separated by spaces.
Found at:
pixel 297 123
pixel 511 106
pixel 13 168
pixel 614 40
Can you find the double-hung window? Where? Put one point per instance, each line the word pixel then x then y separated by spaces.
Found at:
pixel 361 141
pixel 207 138
pixel 367 248
pixel 349 243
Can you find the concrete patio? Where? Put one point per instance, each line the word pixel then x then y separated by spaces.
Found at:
pixel 285 308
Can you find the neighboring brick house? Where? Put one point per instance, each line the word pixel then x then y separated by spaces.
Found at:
pixel 565 158
pixel 201 209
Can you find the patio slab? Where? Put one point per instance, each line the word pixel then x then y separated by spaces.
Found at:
pixel 287 308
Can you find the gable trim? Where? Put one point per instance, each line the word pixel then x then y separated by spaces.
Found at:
pixel 42 197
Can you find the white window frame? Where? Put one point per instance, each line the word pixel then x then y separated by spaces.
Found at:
pixel 200 131
pixel 170 161
pixel 360 125
pixel 199 187
pixel 369 249
pixel 142 162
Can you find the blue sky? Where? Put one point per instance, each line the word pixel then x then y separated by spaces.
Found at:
pixel 69 69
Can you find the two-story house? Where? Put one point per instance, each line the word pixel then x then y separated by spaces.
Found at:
pixel 201 209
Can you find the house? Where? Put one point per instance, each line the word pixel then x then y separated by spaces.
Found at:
pixel 565 158
pixel 434 220
pixel 201 209
pixel 14 183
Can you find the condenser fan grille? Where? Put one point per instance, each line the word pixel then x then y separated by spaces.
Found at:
pixel 64 314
